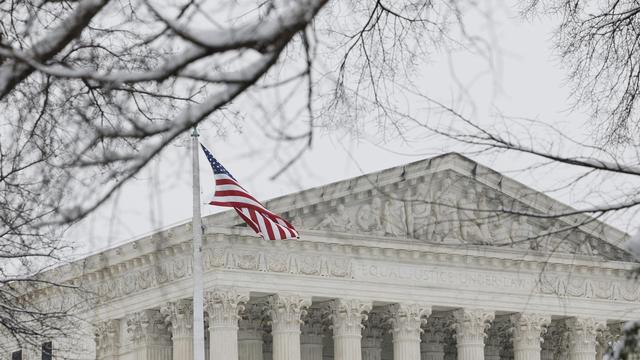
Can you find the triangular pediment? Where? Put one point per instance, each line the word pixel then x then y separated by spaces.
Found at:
pixel 450 200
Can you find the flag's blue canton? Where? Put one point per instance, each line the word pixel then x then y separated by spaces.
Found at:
pixel 215 165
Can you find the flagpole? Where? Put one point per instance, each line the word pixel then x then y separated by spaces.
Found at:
pixel 198 291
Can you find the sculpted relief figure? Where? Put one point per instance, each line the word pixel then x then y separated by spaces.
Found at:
pixel 297 221
pixel 445 212
pixel 581 244
pixel 488 215
pixel 338 221
pixel 369 217
pixel 418 209
pixel 556 237
pixel 524 234
pixel 393 218
pixel 471 230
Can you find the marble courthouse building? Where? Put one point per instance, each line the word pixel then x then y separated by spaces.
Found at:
pixel 427 261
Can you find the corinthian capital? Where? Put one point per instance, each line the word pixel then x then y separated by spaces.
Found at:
pixel 374 326
pixel 107 337
pixel 147 326
pixel 436 329
pixel 252 318
pixel 313 323
pixel 180 315
pixel 223 306
pixel 286 311
pixel 584 330
pixel 406 319
pixel 528 328
pixel 470 324
pixel 347 316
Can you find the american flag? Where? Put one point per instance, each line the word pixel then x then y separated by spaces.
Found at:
pixel 229 193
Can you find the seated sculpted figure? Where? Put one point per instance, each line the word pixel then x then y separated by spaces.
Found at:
pixel 368 217
pixel 338 221
pixel 420 213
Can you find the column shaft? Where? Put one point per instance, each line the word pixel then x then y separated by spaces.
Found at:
pixel 223 342
pixel 372 336
pixel 431 351
pixel 347 317
pixel 311 351
pixel 406 320
pixel 312 338
pixel 371 353
pixel 433 338
pixel 267 347
pixel 250 349
pixel 250 335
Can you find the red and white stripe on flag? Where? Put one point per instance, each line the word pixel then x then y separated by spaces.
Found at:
pixel 228 193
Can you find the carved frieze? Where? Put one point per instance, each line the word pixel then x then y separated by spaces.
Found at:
pixel 549 283
pixel 179 267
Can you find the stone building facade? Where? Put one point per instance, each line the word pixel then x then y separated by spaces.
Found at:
pixel 441 259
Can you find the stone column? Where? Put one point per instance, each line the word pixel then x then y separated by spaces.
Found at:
pixel 267 346
pixel 285 311
pixel 223 306
pixel 556 343
pixel 582 334
pixel 180 315
pixel 347 316
pixel 528 330
pixel 250 334
pixel 312 338
pixel 450 345
pixel 327 345
pixel 498 335
pixel 387 346
pixel 372 336
pixel 470 326
pixel 406 321
pixel 433 337
pixel 149 334
pixel 107 337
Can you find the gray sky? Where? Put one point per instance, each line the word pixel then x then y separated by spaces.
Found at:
pixel 524 79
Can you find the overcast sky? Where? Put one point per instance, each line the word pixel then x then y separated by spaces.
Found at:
pixel 524 79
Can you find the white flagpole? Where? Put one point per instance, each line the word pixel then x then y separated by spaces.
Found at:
pixel 198 291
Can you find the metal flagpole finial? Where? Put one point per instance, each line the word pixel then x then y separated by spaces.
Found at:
pixel 194 133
